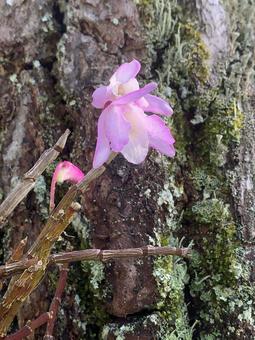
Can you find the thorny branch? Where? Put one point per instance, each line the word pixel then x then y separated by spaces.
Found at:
pixel 28 181
pixel 14 268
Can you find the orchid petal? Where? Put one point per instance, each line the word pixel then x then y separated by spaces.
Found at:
pixel 101 96
pixel 125 72
pixel 130 86
pixel 135 95
pixel 65 171
pixel 103 146
pixel 137 148
pixel 116 127
pixel 160 137
pixel 157 105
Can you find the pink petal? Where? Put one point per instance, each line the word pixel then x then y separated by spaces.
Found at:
pixel 101 96
pixel 131 86
pixel 74 174
pixel 133 96
pixel 65 171
pixel 116 127
pixel 137 148
pixel 142 102
pixel 126 71
pixel 157 105
pixel 160 136
pixel 103 147
pixel 52 191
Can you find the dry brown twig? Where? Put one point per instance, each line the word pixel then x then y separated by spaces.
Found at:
pixel 36 260
pixel 18 251
pixel 15 268
pixel 64 259
pixel 60 218
pixel 56 301
pixel 49 317
pixel 28 182
pixel 30 327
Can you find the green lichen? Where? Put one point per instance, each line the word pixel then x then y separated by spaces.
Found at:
pixel 89 280
pixel 207 125
pixel 120 333
pixel 171 276
pixel 42 197
pixel 96 272
pixel 82 228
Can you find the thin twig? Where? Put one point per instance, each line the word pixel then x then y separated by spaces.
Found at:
pixel 11 269
pixel 49 317
pixel 106 255
pixel 56 301
pixel 58 221
pixel 14 268
pixel 18 251
pixel 16 255
pixel 28 181
pixel 30 327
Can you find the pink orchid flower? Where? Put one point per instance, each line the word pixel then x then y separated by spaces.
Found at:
pixel 123 81
pixel 123 125
pixel 65 171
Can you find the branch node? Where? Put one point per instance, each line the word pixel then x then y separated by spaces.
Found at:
pixel 26 184
pixel 28 178
pixel 76 206
pixel 58 148
pixel 28 326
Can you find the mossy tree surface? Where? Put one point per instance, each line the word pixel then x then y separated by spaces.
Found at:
pixel 202 55
pixel 204 59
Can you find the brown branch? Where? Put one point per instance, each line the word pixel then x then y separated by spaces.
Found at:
pixel 28 181
pixel 60 218
pixel 14 268
pixel 56 301
pixel 30 327
pixel 49 317
pixel 16 254
pixel 106 255
pixel 11 269
pixel 18 251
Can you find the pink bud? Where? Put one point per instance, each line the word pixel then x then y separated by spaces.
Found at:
pixel 65 171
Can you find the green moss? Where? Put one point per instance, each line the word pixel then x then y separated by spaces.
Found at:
pixel 91 293
pixel 120 333
pixel 220 126
pixel 210 211
pixel 206 184
pixel 88 282
pixel 42 197
pixel 96 273
pixel 207 125
pixel 171 276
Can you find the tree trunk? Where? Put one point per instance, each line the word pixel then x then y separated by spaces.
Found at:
pixel 52 56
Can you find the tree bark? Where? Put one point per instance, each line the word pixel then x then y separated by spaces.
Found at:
pixel 53 54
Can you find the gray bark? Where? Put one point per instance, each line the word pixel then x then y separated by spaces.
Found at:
pixel 53 54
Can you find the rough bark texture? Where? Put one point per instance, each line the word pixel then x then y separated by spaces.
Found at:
pixel 52 55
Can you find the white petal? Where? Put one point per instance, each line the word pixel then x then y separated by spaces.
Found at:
pixel 137 148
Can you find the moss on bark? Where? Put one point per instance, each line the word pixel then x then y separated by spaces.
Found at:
pixel 208 123
pixel 211 296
